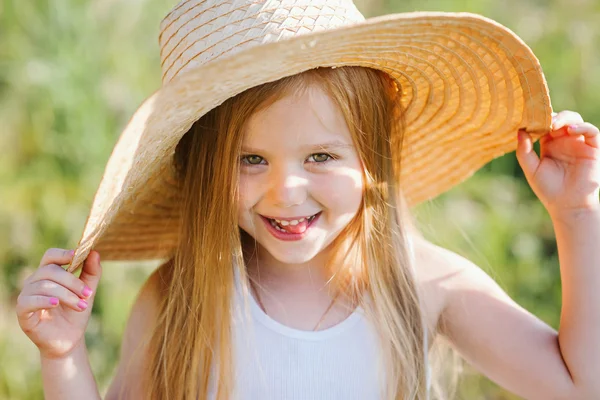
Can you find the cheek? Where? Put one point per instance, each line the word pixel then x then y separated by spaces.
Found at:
pixel 343 192
pixel 247 198
pixel 248 193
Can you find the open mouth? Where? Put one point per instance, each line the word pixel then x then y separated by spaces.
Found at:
pixel 284 226
pixel 290 228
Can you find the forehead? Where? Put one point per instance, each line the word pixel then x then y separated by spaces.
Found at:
pixel 307 118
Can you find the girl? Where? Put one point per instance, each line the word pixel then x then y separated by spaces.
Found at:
pixel 294 269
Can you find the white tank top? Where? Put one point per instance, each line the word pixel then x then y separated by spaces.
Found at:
pixel 276 362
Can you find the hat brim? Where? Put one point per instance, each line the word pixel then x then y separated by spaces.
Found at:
pixel 469 84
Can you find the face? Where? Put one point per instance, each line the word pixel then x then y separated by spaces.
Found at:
pixel 298 161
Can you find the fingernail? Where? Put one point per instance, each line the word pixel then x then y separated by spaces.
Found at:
pixel 71 252
pixel 82 304
pixel 53 301
pixel 519 137
pixel 573 127
pixel 86 291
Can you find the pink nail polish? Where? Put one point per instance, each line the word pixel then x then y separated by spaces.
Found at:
pixel 82 304
pixel 86 291
pixel 53 301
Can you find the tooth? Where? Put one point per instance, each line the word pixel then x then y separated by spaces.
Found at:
pixel 301 219
pixel 284 223
pixel 294 222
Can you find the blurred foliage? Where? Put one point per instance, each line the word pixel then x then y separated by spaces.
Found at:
pixel 71 75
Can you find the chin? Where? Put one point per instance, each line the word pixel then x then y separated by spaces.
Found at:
pixel 292 257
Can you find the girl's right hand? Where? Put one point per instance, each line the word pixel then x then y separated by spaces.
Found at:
pixel 54 305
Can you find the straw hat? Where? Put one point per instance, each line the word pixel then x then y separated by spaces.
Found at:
pixel 468 85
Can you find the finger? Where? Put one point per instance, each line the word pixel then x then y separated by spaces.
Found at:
pixel 92 270
pixel 526 155
pixel 590 132
pixel 565 118
pixel 59 275
pixel 53 289
pixel 562 131
pixel 57 256
pixel 27 305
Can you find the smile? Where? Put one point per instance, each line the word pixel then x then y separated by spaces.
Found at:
pixel 290 229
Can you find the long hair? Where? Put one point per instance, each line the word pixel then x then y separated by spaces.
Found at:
pixel 190 348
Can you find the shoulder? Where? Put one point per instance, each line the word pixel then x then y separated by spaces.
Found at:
pixel 441 273
pixel 137 334
pixel 436 263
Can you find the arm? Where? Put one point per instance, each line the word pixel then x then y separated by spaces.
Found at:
pixel 513 347
pixel 69 377
pixel 135 339
pixel 578 239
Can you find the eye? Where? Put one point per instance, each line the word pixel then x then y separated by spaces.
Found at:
pixel 321 158
pixel 251 159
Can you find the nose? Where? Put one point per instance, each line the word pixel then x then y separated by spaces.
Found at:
pixel 287 188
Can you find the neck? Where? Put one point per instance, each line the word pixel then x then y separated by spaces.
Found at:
pixel 297 295
pixel 309 277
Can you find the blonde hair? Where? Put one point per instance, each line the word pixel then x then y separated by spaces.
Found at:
pixel 191 343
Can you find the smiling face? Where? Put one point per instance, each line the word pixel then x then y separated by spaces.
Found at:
pixel 298 160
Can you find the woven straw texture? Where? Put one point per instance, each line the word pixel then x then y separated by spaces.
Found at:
pixel 468 85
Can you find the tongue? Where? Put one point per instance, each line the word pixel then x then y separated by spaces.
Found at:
pixel 301 227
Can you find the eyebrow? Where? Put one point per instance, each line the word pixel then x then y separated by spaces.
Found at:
pixel 334 145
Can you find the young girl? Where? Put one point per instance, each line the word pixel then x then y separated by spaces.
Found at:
pixel 282 207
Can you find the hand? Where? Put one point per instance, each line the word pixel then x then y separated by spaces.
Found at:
pixel 56 329
pixel 567 177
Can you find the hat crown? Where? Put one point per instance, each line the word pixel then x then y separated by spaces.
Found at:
pixel 196 32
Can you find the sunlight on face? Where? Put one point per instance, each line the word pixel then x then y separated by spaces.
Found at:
pixel 297 160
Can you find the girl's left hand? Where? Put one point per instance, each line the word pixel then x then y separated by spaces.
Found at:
pixel 567 177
